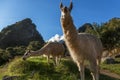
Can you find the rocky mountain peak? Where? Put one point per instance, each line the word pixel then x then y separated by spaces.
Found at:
pixel 20 33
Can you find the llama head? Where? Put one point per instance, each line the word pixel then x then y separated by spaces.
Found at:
pixel 26 55
pixel 65 11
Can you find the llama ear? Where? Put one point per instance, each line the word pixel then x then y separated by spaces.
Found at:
pixel 61 5
pixel 71 6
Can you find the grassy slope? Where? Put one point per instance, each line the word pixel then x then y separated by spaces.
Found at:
pixel 67 70
pixel 112 67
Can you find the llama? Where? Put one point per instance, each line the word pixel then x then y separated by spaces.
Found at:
pixel 81 46
pixel 54 49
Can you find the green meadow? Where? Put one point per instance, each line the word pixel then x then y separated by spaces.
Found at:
pixel 37 68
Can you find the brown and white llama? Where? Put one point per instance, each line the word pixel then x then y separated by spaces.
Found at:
pixel 82 46
pixel 54 49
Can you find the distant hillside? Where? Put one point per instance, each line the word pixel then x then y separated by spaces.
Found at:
pixel 85 27
pixel 20 33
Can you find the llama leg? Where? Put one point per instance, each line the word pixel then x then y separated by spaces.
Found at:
pixel 48 59
pixel 59 60
pixel 98 68
pixel 81 69
pixel 56 60
pixel 94 70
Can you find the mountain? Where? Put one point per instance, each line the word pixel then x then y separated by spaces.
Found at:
pixel 20 33
pixel 85 27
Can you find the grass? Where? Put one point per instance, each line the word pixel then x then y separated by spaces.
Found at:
pixel 115 68
pixel 38 66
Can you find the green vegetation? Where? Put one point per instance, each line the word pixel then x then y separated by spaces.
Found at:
pixel 16 38
pixel 11 52
pixel 112 67
pixel 35 45
pixel 37 68
pixel 108 32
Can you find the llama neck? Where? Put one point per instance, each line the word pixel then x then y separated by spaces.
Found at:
pixel 37 53
pixel 69 30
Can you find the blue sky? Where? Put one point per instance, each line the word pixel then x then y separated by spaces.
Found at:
pixel 46 13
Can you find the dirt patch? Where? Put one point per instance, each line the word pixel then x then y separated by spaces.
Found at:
pixel 108 73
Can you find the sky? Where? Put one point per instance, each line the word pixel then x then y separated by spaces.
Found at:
pixel 46 13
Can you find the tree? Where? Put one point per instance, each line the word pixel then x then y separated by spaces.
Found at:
pixel 3 57
pixel 34 45
pixel 110 34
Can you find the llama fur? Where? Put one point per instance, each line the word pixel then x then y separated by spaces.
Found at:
pixel 54 49
pixel 81 46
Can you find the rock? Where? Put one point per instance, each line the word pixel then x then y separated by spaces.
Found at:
pixel 10 78
pixel 85 27
pixel 109 60
pixel 20 33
